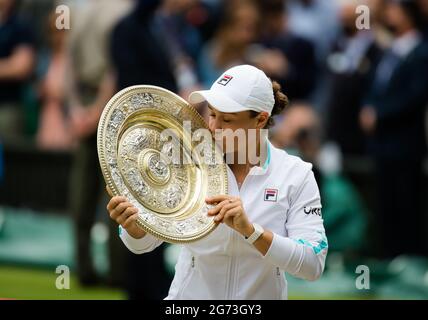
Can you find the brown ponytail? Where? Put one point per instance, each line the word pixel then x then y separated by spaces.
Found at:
pixel 281 102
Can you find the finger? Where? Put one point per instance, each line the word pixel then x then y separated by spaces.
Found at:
pixel 114 202
pixel 126 214
pixel 231 201
pixel 227 207
pixel 230 214
pixel 217 208
pixel 116 212
pixel 130 221
pixel 220 216
pixel 109 191
pixel 217 198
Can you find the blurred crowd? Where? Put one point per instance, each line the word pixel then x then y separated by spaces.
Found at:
pixel 355 91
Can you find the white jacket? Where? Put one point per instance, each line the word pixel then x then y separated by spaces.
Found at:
pixel 223 266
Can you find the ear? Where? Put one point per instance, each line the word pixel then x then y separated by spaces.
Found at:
pixel 262 119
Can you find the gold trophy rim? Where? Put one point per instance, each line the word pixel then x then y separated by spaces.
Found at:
pixel 112 103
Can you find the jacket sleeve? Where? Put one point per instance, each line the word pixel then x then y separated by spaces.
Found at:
pixel 302 253
pixel 138 246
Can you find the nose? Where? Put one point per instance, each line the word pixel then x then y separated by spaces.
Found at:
pixel 214 124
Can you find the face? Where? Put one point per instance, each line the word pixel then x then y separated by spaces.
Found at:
pixel 5 5
pixel 244 28
pixel 377 11
pixel 396 19
pixel 347 18
pixel 239 122
pixel 299 130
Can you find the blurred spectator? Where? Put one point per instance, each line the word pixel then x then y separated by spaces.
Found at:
pixel 89 86
pixel 351 66
pixel 140 57
pixel 16 66
pixel 180 41
pixel 1 163
pixel 315 20
pixel 299 131
pixel 141 63
pixel 394 119
pixel 283 56
pixel 238 28
pixel 423 6
pixel 204 16
pixel 54 132
pixel 377 22
pixel 182 19
pixel 37 13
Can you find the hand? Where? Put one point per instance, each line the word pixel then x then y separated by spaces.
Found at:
pixel 368 119
pixel 125 214
pixel 229 210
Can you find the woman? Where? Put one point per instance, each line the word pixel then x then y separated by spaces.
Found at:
pixel 54 131
pixel 270 221
pixel 236 32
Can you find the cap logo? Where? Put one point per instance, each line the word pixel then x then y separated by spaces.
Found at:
pixel 225 80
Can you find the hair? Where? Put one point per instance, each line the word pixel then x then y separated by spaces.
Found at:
pixel 281 102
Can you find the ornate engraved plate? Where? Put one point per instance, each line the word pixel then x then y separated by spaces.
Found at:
pixel 151 150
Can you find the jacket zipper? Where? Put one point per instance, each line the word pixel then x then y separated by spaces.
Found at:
pixel 230 286
pixel 230 293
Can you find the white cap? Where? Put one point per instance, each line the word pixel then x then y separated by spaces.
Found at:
pixel 240 88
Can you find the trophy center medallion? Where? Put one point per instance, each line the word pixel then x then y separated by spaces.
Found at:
pixel 153 165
